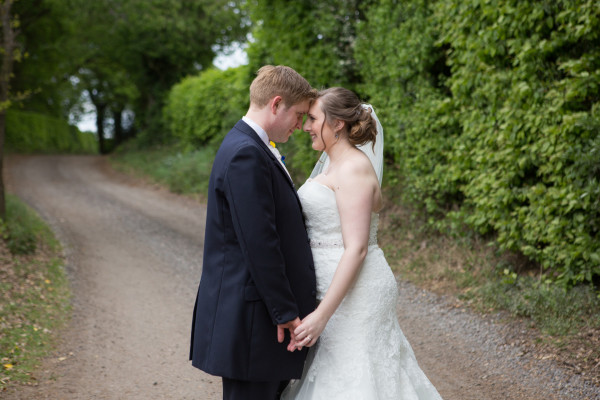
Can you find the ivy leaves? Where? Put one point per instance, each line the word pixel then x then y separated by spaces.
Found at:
pixel 505 137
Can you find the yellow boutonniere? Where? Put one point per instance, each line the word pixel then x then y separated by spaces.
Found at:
pixel 272 143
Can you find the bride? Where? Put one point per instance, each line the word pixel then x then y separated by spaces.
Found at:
pixel 357 348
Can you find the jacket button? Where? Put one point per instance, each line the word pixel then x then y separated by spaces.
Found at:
pixel 314 292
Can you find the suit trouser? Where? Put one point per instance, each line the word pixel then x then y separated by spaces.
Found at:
pixel 234 389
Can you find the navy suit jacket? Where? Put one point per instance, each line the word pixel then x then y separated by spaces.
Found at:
pixel 257 269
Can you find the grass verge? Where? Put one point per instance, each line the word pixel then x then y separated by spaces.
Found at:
pixel 34 293
pixel 182 172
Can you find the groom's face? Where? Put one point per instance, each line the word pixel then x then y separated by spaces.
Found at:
pixel 287 120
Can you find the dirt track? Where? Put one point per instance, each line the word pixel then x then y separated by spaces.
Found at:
pixel 134 258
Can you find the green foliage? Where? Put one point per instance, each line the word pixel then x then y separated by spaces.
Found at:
pixel 404 75
pixel 525 77
pixel 134 51
pixel 45 37
pixel 300 158
pixel 208 105
pixel 23 229
pixel 20 239
pixel 185 172
pixel 316 38
pixel 491 112
pixel 28 132
pixel 555 311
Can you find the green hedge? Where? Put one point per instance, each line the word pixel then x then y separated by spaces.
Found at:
pixel 493 108
pixel 29 132
pixel 526 79
pixel 202 107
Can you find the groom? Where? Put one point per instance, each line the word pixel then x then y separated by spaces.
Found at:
pixel 258 276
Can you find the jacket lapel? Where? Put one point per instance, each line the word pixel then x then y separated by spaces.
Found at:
pixel 245 128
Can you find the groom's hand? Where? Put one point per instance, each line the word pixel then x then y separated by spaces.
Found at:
pixel 291 326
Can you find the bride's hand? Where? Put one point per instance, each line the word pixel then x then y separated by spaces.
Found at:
pixel 307 333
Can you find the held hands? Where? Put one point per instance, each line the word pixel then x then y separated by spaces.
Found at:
pixel 307 333
pixel 291 325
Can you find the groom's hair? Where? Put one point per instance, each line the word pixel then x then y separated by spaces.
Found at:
pixel 281 81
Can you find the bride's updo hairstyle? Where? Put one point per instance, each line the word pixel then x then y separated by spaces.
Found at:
pixel 338 103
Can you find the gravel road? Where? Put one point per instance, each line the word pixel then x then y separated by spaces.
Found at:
pixel 134 256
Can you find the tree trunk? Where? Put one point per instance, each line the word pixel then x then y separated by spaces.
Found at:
pixel 2 196
pixel 7 45
pixel 118 133
pixel 100 109
pixel 100 105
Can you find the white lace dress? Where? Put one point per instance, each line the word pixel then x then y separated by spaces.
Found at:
pixel 362 353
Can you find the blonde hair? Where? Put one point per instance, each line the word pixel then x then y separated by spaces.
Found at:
pixel 281 81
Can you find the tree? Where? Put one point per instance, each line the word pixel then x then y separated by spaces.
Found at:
pixel 315 38
pixel 10 54
pixel 133 51
pixel 42 80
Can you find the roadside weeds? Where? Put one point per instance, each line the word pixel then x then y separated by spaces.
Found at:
pixel 34 295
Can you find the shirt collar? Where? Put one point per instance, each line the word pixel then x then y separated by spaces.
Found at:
pixel 258 129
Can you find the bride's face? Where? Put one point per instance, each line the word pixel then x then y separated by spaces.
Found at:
pixel 320 132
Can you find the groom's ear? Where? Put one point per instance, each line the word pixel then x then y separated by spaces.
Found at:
pixel 275 103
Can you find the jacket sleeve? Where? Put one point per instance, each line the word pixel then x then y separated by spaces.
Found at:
pixel 249 189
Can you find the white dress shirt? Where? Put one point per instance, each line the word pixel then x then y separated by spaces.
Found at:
pixel 262 134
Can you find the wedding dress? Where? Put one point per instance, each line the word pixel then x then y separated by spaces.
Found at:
pixel 362 353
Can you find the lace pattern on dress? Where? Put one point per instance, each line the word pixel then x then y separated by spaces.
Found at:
pixel 316 244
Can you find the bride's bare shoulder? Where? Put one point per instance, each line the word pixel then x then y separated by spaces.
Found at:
pixel 358 165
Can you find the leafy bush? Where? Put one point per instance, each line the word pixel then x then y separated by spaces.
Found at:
pixel 29 132
pixel 491 110
pixel 321 44
pixel 22 228
pixel 204 106
pixel 525 77
pixel 404 72
pixel 19 239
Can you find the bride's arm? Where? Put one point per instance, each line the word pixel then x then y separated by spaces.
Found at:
pixel 355 191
